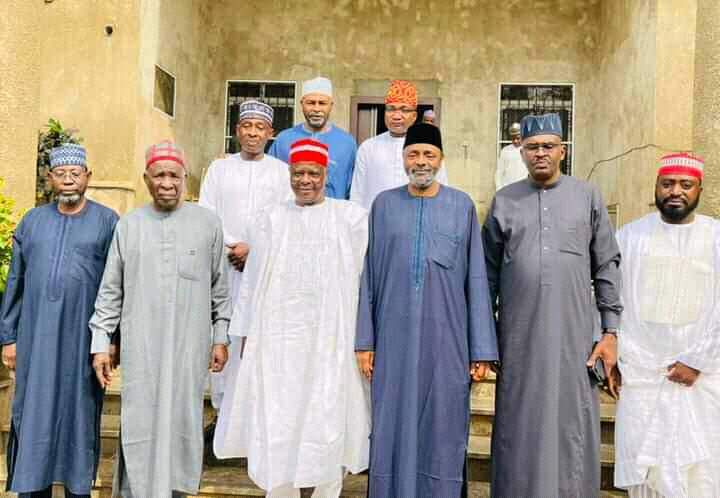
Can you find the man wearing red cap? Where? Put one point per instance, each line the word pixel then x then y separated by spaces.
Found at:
pixel 165 286
pixel 295 404
pixel 667 433
pixel 379 164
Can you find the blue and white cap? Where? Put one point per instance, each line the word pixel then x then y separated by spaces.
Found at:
pixel 546 124
pixel 254 109
pixel 68 155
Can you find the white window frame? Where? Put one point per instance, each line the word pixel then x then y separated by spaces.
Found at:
pixel 296 101
pixel 175 92
pixel 501 143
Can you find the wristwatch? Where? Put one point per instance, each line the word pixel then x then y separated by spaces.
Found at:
pixel 610 331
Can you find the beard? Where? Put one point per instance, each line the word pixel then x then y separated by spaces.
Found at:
pixel 675 213
pixel 424 181
pixel 69 199
pixel 316 121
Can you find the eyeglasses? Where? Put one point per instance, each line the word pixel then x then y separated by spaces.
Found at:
pixel 547 147
pixel 75 174
pixel 404 110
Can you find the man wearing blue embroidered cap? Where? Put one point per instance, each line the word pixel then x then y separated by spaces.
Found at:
pixel 546 239
pixel 58 258
pixel 317 103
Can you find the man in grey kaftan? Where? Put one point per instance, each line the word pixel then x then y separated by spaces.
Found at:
pixel 424 329
pixel 547 239
pixel 165 284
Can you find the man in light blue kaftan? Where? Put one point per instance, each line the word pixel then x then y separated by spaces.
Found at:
pixel 425 327
pixel 59 253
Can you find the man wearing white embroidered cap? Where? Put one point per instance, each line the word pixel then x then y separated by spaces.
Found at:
pixel 317 104
pixel 667 433
pixel 237 186
pixel 295 404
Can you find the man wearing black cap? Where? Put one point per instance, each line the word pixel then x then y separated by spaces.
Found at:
pixel 425 327
pixel 547 238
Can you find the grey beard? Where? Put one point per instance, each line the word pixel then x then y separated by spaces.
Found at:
pixel 69 199
pixel 423 183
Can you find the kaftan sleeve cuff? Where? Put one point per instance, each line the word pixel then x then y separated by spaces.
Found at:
pixel 100 343
pixel 609 320
pixel 220 332
pixel 364 347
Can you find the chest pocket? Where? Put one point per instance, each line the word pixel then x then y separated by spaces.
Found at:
pixel 188 264
pixel 574 237
pixel 87 265
pixel 444 249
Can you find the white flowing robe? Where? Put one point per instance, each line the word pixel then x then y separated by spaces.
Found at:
pixel 667 435
pixel 510 167
pixel 379 167
pixel 295 406
pixel 235 189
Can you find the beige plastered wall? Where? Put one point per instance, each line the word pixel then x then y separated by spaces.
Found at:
pixel 706 125
pixel 644 96
pixel 464 48
pixel 65 66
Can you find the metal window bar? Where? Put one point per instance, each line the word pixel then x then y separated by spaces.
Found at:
pixel 279 96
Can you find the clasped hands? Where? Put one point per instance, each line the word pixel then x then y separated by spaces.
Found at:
pixel 366 360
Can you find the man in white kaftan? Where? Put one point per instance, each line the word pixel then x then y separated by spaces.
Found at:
pixel 295 405
pixel 165 286
pixel 510 165
pixel 667 433
pixel 237 186
pixel 379 163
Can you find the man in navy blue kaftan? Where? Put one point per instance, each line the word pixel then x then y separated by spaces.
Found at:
pixel 425 327
pixel 58 258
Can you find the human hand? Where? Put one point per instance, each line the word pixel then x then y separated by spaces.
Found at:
pixel 365 361
pixel 9 352
pixel 682 374
pixel 606 350
pixel 218 358
pixel 238 254
pixel 102 364
pixel 479 370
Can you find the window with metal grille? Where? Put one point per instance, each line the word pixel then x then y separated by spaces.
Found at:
pixel 278 95
pixel 517 101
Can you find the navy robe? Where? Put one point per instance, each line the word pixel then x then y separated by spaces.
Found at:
pixel 425 311
pixel 56 268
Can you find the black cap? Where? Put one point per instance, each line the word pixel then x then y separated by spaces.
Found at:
pixel 423 133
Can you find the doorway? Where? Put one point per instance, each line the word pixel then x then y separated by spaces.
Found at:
pixel 367 115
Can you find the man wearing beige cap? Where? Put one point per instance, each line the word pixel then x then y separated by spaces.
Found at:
pixel 510 165
pixel 317 103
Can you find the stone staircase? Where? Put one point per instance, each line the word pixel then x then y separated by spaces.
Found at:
pixel 228 479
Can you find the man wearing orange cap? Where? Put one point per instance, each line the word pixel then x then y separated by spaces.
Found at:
pixel 379 163
pixel 165 285
pixel 667 432
pixel 295 404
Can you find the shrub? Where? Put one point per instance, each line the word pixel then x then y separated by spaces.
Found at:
pixel 52 137
pixel 8 220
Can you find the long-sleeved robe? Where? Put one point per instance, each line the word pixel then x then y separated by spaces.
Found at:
pixel 235 189
pixel 667 435
pixel 165 285
pixel 545 247
pixel 379 167
pixel 425 311
pixel 56 269
pixel 510 167
pixel 295 405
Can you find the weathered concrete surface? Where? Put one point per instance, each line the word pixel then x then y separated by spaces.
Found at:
pixel 706 125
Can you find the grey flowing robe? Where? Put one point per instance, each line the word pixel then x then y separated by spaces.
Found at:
pixel 56 268
pixel 425 311
pixel 165 284
pixel 544 249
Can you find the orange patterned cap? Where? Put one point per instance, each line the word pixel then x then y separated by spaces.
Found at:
pixel 401 92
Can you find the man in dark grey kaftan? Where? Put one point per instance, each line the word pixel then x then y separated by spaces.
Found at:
pixel 59 252
pixel 425 327
pixel 547 239
pixel 165 284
